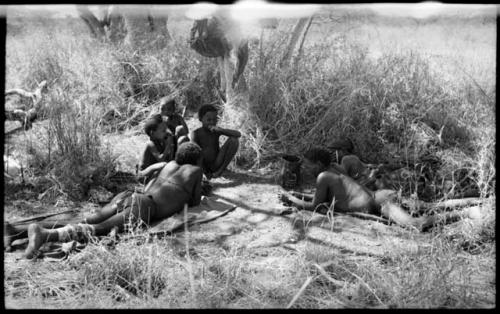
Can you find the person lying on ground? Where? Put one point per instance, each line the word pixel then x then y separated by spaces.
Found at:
pixel 175 122
pixel 177 183
pixel 346 194
pixel 160 146
pixel 215 158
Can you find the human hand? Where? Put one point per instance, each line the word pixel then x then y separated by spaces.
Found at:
pixel 285 199
pixel 215 129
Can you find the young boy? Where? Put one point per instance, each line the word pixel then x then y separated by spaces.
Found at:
pixel 177 183
pixel 175 122
pixel 160 146
pixel 215 158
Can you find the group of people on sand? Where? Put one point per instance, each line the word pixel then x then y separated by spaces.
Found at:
pixel 174 164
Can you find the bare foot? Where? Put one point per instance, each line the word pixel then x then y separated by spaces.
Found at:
pixel 36 237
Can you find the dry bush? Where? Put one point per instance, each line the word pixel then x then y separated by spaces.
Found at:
pixel 71 152
pixel 393 108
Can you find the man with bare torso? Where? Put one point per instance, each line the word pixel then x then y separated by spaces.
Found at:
pixel 176 183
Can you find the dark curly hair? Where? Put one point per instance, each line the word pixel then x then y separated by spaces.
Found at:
pixel 152 124
pixel 188 153
pixel 204 109
pixel 167 101
pixel 319 154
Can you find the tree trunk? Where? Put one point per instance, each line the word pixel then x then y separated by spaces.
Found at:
pixel 160 25
pixel 299 53
pixel 287 56
pixel 95 26
pixel 137 25
pixel 116 26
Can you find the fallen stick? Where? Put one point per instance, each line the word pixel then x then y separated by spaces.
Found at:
pixel 452 203
pixel 365 216
pixel 325 274
pixel 159 234
pixel 41 217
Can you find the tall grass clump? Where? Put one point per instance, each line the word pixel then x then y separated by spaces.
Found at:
pixel 393 107
pixel 79 92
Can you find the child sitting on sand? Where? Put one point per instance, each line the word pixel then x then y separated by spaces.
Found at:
pixel 175 122
pixel 160 146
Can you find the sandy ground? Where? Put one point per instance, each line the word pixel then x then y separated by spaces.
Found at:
pixel 257 222
pixel 257 226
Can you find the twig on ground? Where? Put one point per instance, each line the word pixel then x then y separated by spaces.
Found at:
pixel 325 274
pixel 364 283
pixel 304 286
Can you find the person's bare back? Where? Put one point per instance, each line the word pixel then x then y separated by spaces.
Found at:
pixel 175 186
pixel 349 196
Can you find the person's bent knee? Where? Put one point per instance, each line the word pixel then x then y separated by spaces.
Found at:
pixel 233 142
pixel 382 196
pixel 182 139
pixel 180 130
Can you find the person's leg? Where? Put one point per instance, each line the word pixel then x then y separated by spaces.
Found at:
pixel 394 212
pixel 141 209
pixel 382 196
pixel 37 236
pixel 226 154
pixel 116 204
pixel 181 135
pixel 180 131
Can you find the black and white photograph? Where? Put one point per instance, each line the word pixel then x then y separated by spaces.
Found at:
pixel 250 155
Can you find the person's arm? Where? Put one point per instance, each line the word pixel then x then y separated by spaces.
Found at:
pixel 226 132
pixel 154 167
pixel 339 169
pixel 304 196
pixel 196 196
pixel 193 137
pixel 184 124
pixel 163 155
pixel 320 196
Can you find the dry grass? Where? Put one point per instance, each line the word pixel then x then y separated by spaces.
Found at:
pixel 390 99
pixel 174 272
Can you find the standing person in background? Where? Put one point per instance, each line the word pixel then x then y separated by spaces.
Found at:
pixel 215 158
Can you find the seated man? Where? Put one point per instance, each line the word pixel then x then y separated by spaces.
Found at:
pixel 348 195
pixel 215 158
pixel 177 183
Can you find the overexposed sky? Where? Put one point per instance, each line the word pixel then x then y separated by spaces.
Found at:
pixel 427 8
pixel 250 9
